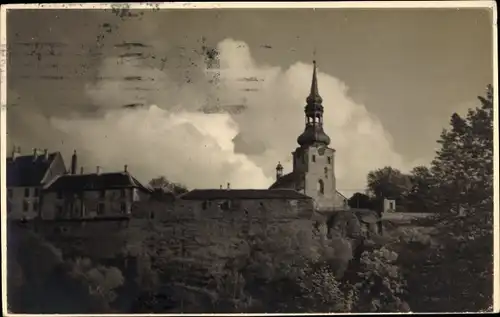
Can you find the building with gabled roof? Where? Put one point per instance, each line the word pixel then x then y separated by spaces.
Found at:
pixel 92 195
pixel 25 176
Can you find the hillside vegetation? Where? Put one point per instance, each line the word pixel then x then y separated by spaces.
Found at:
pixel 440 264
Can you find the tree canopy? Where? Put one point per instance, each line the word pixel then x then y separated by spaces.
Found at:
pixel 456 273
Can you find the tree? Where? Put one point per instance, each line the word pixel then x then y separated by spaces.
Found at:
pixel 464 163
pixel 388 183
pixel 162 185
pixel 461 264
pixel 359 200
pixel 100 281
pixel 379 285
pixel 422 197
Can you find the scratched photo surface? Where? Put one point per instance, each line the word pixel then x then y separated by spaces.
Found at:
pixel 249 160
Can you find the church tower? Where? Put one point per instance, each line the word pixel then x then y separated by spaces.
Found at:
pixel 314 159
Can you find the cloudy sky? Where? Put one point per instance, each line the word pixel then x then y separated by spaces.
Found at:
pixel 390 80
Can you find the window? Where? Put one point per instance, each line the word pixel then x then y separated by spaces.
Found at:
pixel 204 205
pixel 329 160
pixel 59 195
pixel 321 187
pixel 102 194
pixel 36 192
pixel 59 211
pixel 326 172
pixel 26 192
pixel 225 205
pixel 314 158
pixel 100 209
pixel 391 205
pixel 35 205
pixel 26 206
pixel 10 193
pixel 122 193
pixel 123 208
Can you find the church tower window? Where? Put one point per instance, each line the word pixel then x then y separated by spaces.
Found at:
pixel 321 187
pixel 326 172
pixel 329 160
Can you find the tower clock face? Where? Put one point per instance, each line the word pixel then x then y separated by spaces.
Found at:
pixel 321 151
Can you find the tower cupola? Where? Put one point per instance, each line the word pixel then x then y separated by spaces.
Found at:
pixel 279 170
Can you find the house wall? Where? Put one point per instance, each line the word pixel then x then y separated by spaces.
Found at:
pixel 87 203
pixel 19 205
pixel 341 202
pixel 389 205
pixel 254 208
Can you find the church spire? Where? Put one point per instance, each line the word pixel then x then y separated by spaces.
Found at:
pixel 314 96
pixel 313 133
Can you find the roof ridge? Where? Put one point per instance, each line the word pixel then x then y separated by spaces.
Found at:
pixel 52 181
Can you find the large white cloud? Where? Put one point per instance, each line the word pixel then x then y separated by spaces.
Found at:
pixel 170 137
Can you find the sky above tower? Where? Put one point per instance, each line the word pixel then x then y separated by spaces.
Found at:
pixel 390 79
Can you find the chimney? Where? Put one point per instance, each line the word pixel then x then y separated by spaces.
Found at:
pixel 46 154
pixel 98 170
pixel 74 161
pixel 81 170
pixel 15 152
pixel 228 186
pixel 125 168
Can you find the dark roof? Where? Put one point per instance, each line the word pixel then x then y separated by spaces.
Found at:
pixel 78 182
pixel 292 180
pixel 289 180
pixel 28 170
pixel 214 194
